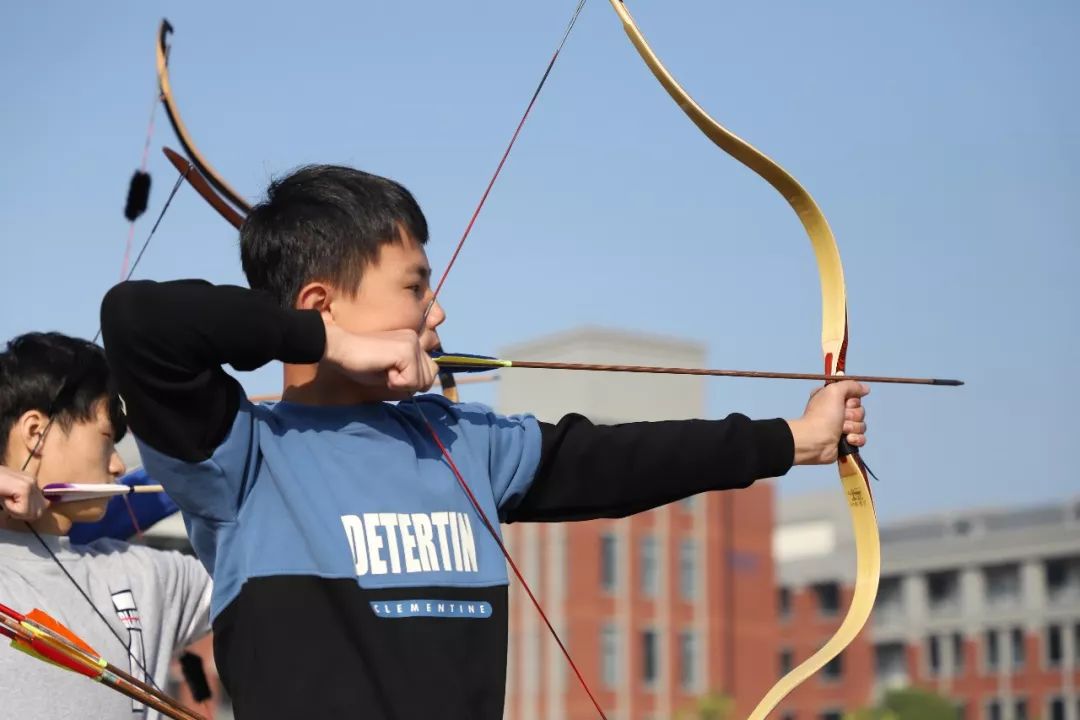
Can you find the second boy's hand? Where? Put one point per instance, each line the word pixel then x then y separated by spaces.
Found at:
pixel 22 498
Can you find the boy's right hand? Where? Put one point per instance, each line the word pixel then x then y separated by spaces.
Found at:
pixel 22 498
pixel 391 359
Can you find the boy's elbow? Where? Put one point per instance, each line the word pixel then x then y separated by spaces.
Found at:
pixel 123 309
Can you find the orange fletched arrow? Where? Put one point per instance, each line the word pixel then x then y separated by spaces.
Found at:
pixel 42 636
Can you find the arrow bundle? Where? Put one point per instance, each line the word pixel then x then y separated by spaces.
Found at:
pixel 41 636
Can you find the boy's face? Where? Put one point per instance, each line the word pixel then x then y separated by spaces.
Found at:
pixel 85 453
pixel 393 295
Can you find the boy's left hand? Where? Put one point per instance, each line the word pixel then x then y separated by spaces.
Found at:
pixel 832 411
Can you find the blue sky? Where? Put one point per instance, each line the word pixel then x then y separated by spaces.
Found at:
pixel 939 138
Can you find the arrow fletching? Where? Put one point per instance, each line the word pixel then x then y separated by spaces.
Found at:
pixel 467 363
pixel 42 636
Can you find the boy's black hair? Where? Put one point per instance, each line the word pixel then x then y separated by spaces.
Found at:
pixel 325 223
pixel 64 377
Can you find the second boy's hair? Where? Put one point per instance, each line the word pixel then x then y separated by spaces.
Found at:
pixel 64 377
pixel 324 223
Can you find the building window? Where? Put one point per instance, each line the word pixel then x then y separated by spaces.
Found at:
pixel 890 664
pixel 933 656
pixel 1002 585
pixel 1063 580
pixel 991 652
pixel 834 669
pixel 957 653
pixel 783 600
pixel 943 589
pixel 993 710
pixel 1076 645
pixel 828 598
pixel 787 661
pixel 1054 649
pixel 649 571
pixel 608 562
pixel 961 710
pixel 831 715
pixel 688 676
pixel 1020 709
pixel 1055 709
pixel 687 569
pixel 649 657
pixel 1019 650
pixel 889 606
pixel 609 655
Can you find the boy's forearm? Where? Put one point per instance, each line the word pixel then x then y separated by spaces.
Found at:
pixel 166 343
pixel 200 325
pixel 588 471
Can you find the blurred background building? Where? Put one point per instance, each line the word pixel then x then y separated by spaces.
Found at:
pixel 671 611
pixel 982 607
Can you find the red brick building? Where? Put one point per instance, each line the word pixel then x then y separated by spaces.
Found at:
pixel 656 610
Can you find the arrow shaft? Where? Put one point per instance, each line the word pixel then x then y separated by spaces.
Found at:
pixel 469 363
pixel 74 492
pixel 729 373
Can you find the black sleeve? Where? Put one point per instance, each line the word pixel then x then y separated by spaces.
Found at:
pixel 166 343
pixel 592 471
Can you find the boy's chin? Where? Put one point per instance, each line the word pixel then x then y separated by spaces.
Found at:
pixel 86 511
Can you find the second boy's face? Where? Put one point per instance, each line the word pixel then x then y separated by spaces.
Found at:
pixel 86 453
pixel 394 294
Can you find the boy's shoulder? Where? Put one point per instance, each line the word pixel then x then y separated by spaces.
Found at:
pixel 133 557
pixel 421 409
pixel 115 562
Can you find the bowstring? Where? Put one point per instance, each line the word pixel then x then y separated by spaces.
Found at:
pixel 447 456
pixel 68 386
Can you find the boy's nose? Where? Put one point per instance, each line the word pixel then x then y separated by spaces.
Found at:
pixel 436 316
pixel 116 465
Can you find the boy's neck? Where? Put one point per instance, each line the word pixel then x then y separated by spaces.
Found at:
pixel 48 524
pixel 304 384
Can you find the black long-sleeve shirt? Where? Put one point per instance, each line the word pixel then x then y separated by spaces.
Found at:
pixel 167 343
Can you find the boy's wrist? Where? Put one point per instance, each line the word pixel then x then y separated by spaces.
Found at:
pixel 809 442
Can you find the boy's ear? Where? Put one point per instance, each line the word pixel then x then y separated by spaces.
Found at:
pixel 314 296
pixel 26 433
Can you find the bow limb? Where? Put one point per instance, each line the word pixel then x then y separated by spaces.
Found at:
pixel 834 336
pixel 197 180
pixel 208 171
pixel 208 182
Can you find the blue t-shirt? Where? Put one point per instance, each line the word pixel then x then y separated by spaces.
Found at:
pixel 358 491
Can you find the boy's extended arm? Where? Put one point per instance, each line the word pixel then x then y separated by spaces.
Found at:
pixel 166 343
pixel 592 471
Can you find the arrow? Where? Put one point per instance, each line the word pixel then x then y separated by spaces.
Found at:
pixel 464 363
pixel 41 636
pixel 74 492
